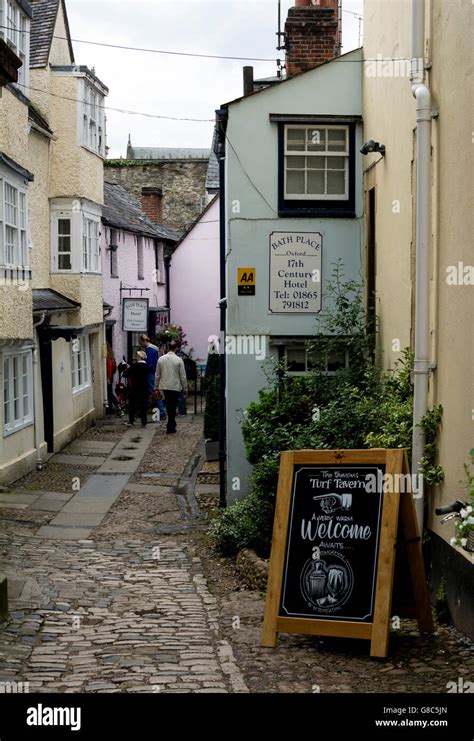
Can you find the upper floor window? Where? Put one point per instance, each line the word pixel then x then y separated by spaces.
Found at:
pixel 93 121
pixel 14 250
pixel 90 242
pixel 15 29
pixel 140 268
pixel 75 238
pixel 316 169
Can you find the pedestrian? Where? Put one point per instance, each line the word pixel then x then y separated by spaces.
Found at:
pixel 112 400
pixel 171 379
pixel 152 355
pixel 140 392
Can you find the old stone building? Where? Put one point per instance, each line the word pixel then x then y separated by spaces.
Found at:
pixel 170 183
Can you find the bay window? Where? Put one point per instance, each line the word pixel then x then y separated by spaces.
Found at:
pixel 75 235
pixel 93 120
pixel 17 390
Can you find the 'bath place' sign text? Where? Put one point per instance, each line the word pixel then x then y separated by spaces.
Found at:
pixel 295 272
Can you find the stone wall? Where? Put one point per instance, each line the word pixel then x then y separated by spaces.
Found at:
pixel 182 182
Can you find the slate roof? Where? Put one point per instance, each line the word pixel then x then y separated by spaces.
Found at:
pixel 45 299
pixel 42 30
pixel 38 119
pixel 15 166
pixel 122 211
pixel 165 153
pixel 212 177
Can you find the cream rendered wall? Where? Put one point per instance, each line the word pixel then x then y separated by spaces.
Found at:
pixel 13 127
pixel 38 157
pixel 451 84
pixel 389 116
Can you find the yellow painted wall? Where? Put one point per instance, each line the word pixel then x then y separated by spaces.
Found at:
pixel 16 320
pixel 389 117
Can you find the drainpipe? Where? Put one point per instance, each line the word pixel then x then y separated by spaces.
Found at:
pixel 422 96
pixel 36 427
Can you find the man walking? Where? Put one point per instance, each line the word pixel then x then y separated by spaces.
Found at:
pixel 139 398
pixel 152 354
pixel 171 379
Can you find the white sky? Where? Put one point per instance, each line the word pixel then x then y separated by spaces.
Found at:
pixel 178 86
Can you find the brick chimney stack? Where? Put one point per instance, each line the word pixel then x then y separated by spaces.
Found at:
pixel 152 204
pixel 312 34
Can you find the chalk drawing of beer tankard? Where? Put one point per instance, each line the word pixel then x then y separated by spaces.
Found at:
pixel 327 582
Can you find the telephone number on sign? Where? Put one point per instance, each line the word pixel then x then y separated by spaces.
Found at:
pixel 295 304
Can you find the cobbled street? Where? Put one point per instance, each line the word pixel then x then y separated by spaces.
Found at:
pixel 114 586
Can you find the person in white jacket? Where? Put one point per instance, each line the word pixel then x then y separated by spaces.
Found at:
pixel 170 379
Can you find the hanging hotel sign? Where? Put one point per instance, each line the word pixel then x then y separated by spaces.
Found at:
pixel 295 272
pixel 135 314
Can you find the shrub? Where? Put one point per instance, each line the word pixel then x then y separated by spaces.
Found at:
pixel 357 407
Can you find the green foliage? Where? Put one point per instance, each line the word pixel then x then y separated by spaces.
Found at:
pixel 123 163
pixel 211 391
pixel 356 407
pixel 464 526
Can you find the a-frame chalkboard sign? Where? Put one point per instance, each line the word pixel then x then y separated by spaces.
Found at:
pixel 342 519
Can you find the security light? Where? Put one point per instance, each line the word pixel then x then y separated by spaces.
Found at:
pixel 372 146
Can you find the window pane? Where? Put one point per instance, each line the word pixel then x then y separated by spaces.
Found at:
pixel 64 226
pixel 316 182
pixel 295 181
pixel 64 262
pixel 316 163
pixel 336 182
pixel 296 162
pixel 296 359
pixel 316 140
pixel 336 360
pixel 337 140
pixel 6 390
pixel 295 139
pixel 336 163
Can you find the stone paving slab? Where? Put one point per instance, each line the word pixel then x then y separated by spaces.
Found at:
pixel 132 447
pixel 149 489
pixel 208 489
pixel 92 446
pixel 77 460
pixel 18 498
pixel 93 505
pixel 63 533
pixel 106 486
pixel 75 519
pixel 44 504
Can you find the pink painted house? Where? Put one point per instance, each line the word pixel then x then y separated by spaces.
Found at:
pixel 194 281
pixel 134 264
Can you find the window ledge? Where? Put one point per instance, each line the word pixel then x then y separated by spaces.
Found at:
pixel 19 426
pixel 81 389
pixel 93 151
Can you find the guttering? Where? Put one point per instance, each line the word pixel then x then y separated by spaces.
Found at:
pixel 39 462
pixel 422 96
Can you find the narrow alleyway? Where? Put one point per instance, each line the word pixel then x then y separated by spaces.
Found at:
pixel 114 587
pixel 105 594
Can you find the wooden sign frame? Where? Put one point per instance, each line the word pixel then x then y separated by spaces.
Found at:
pixel 397 508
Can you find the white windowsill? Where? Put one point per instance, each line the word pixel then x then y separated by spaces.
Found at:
pixel 10 430
pixel 81 389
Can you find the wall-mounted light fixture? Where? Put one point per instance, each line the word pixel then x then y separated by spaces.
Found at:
pixel 372 146
pixel 112 247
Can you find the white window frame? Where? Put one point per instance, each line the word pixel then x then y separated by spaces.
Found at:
pixel 93 118
pixel 16 220
pixel 25 417
pixel 80 364
pixel 15 31
pixel 85 225
pixel 323 153
pixel 90 244
pixel 308 351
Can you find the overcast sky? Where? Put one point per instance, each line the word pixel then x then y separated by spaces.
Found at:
pixel 182 87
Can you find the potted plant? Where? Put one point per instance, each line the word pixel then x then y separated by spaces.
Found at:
pixel 464 525
pixel 211 412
